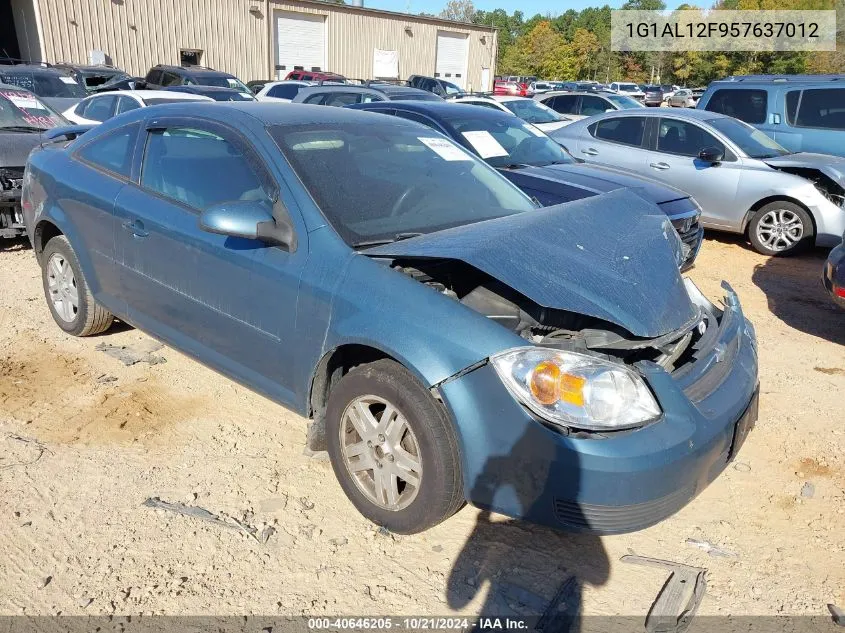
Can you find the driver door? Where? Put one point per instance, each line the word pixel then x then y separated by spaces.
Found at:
pixel 230 302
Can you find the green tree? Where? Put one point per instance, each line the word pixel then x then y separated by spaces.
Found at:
pixel 459 10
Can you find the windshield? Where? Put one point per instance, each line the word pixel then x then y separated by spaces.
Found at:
pixel 629 87
pixel 508 142
pixel 532 111
pixel 24 110
pixel 451 89
pixel 382 181
pixel 45 84
pixel 220 81
pixel 624 103
pixel 749 139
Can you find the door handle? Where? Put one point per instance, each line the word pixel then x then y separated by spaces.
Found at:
pixel 136 227
pixel 659 166
pixel 590 151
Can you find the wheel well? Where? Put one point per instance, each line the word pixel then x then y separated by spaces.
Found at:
pixel 330 369
pixel 44 232
pixel 762 203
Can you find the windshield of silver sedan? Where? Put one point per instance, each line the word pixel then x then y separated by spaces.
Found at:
pixel 750 140
pixel 532 111
pixel 380 183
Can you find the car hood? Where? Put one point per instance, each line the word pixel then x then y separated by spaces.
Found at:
pixel 831 166
pixel 60 104
pixel 551 127
pixel 16 146
pixel 614 257
pixel 594 180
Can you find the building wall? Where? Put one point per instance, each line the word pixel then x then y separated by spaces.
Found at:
pixel 137 34
pixel 26 27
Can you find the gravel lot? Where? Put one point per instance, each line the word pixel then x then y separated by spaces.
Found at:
pixel 85 440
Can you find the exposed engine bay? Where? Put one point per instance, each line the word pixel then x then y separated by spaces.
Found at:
pixel 826 185
pixel 11 216
pixel 559 328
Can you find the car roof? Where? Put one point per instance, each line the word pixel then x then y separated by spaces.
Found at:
pixel 443 110
pixel 196 70
pixel 734 79
pixel 391 89
pixel 289 82
pixel 31 68
pixel 92 67
pixel 151 94
pixel 554 93
pixel 692 114
pixel 201 89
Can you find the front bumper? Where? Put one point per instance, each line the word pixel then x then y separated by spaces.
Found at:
pixel 833 275
pixel 609 483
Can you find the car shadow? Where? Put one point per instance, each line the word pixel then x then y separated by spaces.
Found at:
pixel 14 244
pixel 527 570
pixel 795 294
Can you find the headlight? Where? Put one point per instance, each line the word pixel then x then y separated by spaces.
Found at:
pixel 576 390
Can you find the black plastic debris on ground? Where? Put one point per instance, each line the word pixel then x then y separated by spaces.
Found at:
pixel 227 522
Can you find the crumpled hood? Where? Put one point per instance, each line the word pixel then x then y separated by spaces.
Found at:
pixel 614 257
pixel 16 146
pixel 831 166
pixel 596 180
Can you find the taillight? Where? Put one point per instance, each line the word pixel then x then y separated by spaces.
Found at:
pixel 839 291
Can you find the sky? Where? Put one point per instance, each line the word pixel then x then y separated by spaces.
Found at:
pixel 528 7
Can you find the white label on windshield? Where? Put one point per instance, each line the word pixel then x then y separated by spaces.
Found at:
pixel 24 103
pixel 443 148
pixel 68 80
pixel 485 144
pixel 535 131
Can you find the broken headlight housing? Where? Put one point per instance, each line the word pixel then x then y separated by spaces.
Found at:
pixel 576 390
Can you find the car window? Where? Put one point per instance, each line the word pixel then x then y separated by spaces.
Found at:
pixel 44 84
pixel 126 104
pixel 307 77
pixel 284 91
pixel 315 99
pixel 170 79
pixel 591 105
pixel 373 183
pixel 154 77
pixel 112 151
pixel 792 99
pixel 565 104
pixel 413 116
pixel 485 104
pixel 627 130
pixel 21 108
pixel 684 138
pixel 744 104
pixel 750 140
pixel 532 111
pixel 822 108
pixel 341 99
pixel 100 108
pixel 177 162
pixel 79 110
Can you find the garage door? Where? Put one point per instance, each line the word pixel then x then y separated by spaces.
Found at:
pixel 451 60
pixel 300 41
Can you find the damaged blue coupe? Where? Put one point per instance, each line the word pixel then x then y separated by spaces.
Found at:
pixel 449 340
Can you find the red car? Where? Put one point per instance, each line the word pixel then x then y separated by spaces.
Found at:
pixel 316 75
pixel 511 88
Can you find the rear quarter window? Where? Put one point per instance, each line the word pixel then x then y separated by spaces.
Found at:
pixel 744 104
pixel 113 151
pixel 820 108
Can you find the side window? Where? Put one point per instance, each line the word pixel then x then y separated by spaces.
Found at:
pixel 284 91
pixel 79 110
pixel 591 105
pixel 484 104
pixel 154 77
pixel 792 99
pixel 822 108
pixel 744 104
pixel 112 151
pixel 565 104
pixel 170 79
pixel 125 104
pixel 315 99
pixel 627 130
pixel 100 108
pixel 177 162
pixel 684 138
pixel 340 99
pixel 307 77
pixel 295 76
pixel 413 116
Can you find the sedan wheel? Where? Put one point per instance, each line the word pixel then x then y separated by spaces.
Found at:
pixel 780 228
pixel 393 448
pixel 381 452
pixel 61 284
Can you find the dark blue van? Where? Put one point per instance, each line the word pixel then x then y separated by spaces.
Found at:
pixel 804 113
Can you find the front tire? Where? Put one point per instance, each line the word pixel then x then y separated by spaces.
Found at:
pixel 393 448
pixel 68 296
pixel 781 228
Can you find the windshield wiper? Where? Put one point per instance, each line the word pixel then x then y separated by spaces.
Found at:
pixel 516 166
pixel 22 128
pixel 396 238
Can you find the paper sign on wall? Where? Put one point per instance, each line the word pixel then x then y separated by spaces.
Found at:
pixel 443 148
pixel 485 144
pixel 385 64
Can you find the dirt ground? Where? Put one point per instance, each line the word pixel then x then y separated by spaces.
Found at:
pixel 85 440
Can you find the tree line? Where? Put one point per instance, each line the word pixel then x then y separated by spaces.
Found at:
pixel 576 45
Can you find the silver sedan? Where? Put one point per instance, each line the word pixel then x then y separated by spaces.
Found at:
pixel 743 180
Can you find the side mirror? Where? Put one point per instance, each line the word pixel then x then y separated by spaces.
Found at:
pixel 251 220
pixel 711 155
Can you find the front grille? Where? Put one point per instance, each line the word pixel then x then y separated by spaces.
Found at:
pixel 690 234
pixel 618 519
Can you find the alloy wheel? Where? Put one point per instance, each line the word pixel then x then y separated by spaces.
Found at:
pixel 381 452
pixel 61 283
pixel 780 229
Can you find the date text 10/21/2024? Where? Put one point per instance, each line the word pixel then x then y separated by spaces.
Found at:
pixel 420 623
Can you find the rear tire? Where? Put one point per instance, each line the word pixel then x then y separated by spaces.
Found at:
pixel 67 293
pixel 781 228
pixel 402 472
